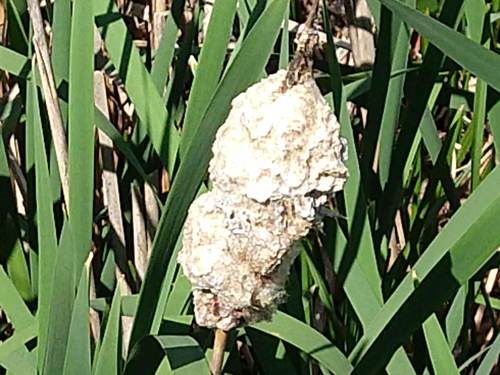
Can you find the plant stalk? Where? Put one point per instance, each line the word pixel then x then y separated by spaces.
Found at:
pixel 218 353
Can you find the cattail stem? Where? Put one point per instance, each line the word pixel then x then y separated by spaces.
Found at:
pixel 218 353
pixel 301 65
pixel 312 14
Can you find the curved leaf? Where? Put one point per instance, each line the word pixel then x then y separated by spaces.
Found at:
pixel 182 354
pixel 308 340
pixel 470 55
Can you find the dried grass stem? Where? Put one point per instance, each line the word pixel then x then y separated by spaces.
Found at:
pixel 218 353
pixel 50 93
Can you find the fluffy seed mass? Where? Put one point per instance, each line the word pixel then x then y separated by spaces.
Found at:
pixel 276 145
pixel 276 159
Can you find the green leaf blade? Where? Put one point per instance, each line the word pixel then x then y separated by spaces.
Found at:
pixel 81 130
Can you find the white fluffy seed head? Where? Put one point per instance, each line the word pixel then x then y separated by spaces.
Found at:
pixel 276 159
pixel 237 253
pixel 276 145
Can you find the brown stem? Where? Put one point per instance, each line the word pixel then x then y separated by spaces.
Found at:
pixel 49 90
pixel 300 68
pixel 218 353
pixel 312 14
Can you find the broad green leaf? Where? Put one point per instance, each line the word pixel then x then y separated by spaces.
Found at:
pixel 391 108
pixel 244 71
pixel 81 131
pixel 178 297
pixel 441 356
pixel 165 302
pixel 475 14
pixel 355 262
pixel 61 304
pixel 455 317
pixel 472 56
pixel 47 240
pixel 270 353
pixel 18 271
pixel 209 67
pixel 17 342
pixel 384 105
pixel 61 27
pixel 77 358
pixel 20 361
pixel 430 135
pixel 12 303
pixel 168 285
pixel 308 340
pixel 14 62
pixel 61 40
pixel 362 282
pixel 183 354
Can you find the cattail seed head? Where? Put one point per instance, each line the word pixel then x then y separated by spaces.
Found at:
pixel 277 158
pixel 275 145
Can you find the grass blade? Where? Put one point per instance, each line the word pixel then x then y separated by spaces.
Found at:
pixel 183 354
pixel 209 68
pixel 17 342
pixel 77 359
pixel 14 62
pixel 12 303
pixel 47 240
pixel 308 340
pixel 441 357
pixel 61 304
pixel 391 108
pixel 107 362
pixel 472 56
pixel 81 131
pixel 455 317
pixel 61 41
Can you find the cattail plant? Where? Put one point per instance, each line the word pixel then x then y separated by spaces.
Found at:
pixel 276 159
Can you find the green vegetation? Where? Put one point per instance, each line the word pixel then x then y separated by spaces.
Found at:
pixel 106 141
